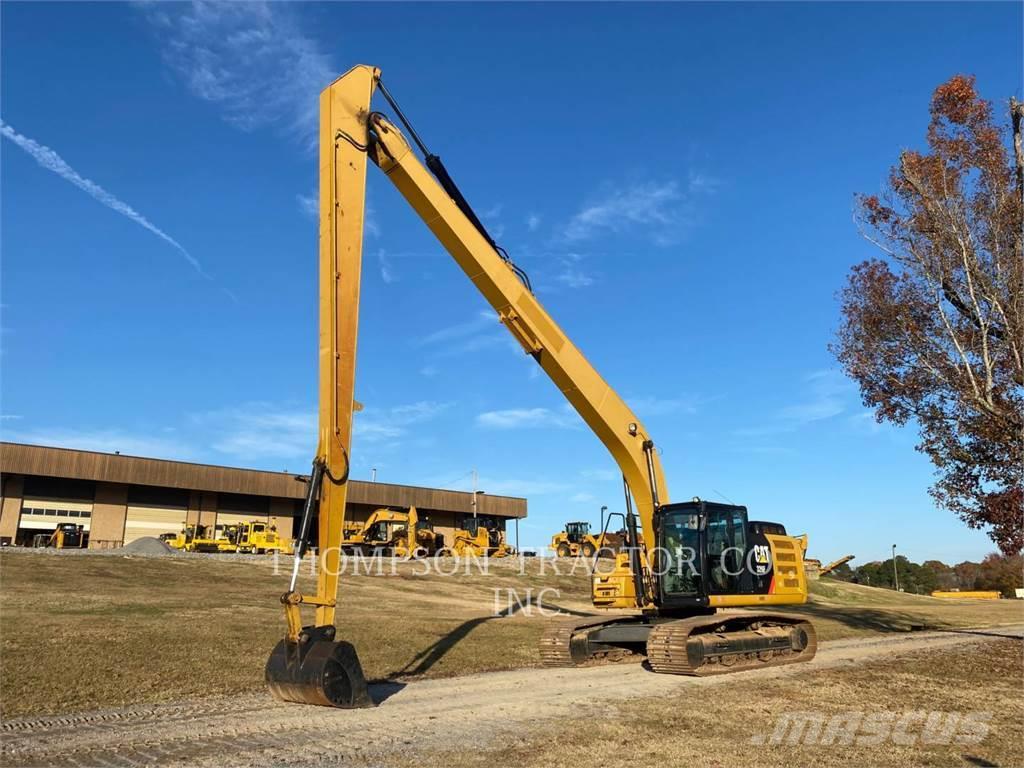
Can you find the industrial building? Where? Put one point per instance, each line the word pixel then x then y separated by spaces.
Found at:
pixel 120 498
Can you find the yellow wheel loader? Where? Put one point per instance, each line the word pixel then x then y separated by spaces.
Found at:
pixel 684 564
pixel 576 540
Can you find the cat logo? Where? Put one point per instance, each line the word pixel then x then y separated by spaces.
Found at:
pixel 762 559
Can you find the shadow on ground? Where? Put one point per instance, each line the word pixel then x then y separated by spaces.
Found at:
pixel 428 657
pixel 868 619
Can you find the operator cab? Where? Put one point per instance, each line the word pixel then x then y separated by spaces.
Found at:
pixel 577 532
pixel 706 548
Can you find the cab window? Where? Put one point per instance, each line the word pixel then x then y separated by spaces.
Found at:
pixel 727 546
pixel 679 563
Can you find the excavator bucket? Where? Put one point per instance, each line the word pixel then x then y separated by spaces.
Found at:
pixel 318 670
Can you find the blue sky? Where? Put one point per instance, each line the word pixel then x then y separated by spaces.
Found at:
pixel 676 178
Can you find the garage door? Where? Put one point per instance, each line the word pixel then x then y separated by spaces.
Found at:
pixel 152 520
pixel 44 514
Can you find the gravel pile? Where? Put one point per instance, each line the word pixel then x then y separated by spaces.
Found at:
pixel 147 545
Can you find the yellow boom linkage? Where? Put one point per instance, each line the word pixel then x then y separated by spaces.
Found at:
pixel 309 665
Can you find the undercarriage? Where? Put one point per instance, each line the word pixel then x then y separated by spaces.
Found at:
pixel 699 645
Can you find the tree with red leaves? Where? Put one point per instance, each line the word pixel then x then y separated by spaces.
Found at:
pixel 933 329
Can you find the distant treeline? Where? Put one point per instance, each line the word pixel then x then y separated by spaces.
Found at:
pixel 995 572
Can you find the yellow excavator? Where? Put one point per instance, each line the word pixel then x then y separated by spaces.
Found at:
pixel 826 570
pixel 393 532
pixel 694 558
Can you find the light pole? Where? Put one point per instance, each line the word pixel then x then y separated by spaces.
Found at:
pixel 475 492
pixel 603 510
pixel 895 571
pixel 373 475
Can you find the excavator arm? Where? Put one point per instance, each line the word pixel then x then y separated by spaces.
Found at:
pixel 458 230
pixel 309 665
pixel 351 134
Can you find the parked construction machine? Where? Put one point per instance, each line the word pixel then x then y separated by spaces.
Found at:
pixel 64 536
pixel 576 539
pixel 479 537
pixel 695 558
pixel 393 532
pixel 201 538
pixel 252 537
pixel 258 537
pixel 826 570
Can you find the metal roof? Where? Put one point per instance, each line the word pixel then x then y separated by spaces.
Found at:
pixel 46 461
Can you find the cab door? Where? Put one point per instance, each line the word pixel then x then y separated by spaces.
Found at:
pixel 726 549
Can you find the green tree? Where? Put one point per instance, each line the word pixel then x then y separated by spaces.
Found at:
pixel 1002 574
pixel 945 577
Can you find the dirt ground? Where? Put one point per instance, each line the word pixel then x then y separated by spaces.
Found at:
pixel 613 715
pixel 83 632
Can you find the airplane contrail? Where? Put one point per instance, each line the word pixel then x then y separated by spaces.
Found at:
pixel 51 161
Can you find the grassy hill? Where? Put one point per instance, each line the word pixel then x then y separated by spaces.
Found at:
pixel 157 629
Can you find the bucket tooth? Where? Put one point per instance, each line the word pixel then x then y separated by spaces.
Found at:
pixel 318 670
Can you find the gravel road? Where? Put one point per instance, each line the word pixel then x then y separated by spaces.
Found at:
pixel 253 730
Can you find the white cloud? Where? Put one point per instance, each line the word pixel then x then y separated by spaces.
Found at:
pixel 865 422
pixel 250 59
pixel 528 418
pixel 387 269
pixel 491 219
pixel 827 394
pixel 572 273
pixel 661 406
pixel 665 210
pixel 522 487
pixel 533 222
pixel 51 161
pixel 461 331
pixel 604 475
pixel 104 441
pixel 309 205
pixel 380 424
pixel 370 225
pixel 259 430
pixel 256 431
pixel 582 497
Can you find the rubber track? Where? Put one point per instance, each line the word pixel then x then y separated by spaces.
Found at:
pixel 666 646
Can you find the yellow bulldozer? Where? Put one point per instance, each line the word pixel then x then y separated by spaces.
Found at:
pixel 253 537
pixel 576 539
pixel 392 532
pixel 479 537
pixel 201 538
